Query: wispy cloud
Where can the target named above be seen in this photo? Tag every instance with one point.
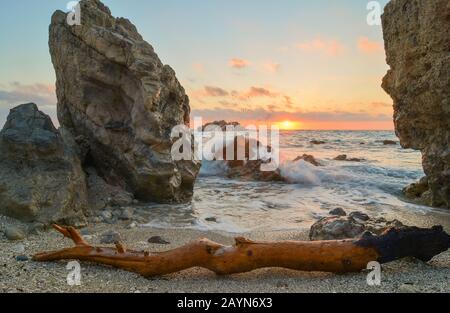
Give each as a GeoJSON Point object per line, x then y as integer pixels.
{"type": "Point", "coordinates": [272, 67]}
{"type": "Point", "coordinates": [239, 63]}
{"type": "Point", "coordinates": [331, 47]}
{"type": "Point", "coordinates": [17, 93]}
{"type": "Point", "coordinates": [366, 46]}
{"type": "Point", "coordinates": [271, 114]}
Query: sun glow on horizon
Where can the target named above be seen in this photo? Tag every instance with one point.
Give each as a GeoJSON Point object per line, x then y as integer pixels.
{"type": "Point", "coordinates": [288, 125]}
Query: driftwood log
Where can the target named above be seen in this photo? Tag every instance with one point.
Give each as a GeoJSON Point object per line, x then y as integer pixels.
{"type": "Point", "coordinates": [337, 256]}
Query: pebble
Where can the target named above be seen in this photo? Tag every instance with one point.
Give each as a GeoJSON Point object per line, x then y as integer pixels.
{"type": "Point", "coordinates": [360, 216]}
{"type": "Point", "coordinates": [21, 258]}
{"type": "Point", "coordinates": [110, 237]}
{"type": "Point", "coordinates": [127, 214]}
{"type": "Point", "coordinates": [14, 233]}
{"type": "Point", "coordinates": [19, 248]}
{"type": "Point", "coordinates": [158, 240]}
{"type": "Point", "coordinates": [211, 219]}
{"type": "Point", "coordinates": [106, 215]}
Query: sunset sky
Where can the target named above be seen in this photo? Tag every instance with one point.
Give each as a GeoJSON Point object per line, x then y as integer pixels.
{"type": "Point", "coordinates": [300, 64]}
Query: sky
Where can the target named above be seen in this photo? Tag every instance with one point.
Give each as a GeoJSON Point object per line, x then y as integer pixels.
{"type": "Point", "coordinates": [298, 64]}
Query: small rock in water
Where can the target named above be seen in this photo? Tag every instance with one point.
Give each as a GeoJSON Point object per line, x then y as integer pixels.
{"type": "Point", "coordinates": [211, 219]}
{"type": "Point", "coordinates": [359, 216]}
{"type": "Point", "coordinates": [14, 233]}
{"type": "Point", "coordinates": [317, 142]}
{"type": "Point", "coordinates": [158, 240]}
{"type": "Point", "coordinates": [21, 258]}
{"type": "Point", "coordinates": [308, 158]}
{"type": "Point", "coordinates": [389, 142]}
{"type": "Point", "coordinates": [110, 237]}
{"type": "Point", "coordinates": [338, 212]}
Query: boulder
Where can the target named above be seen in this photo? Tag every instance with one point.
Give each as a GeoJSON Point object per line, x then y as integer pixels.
{"type": "Point", "coordinates": [41, 179]}
{"type": "Point", "coordinates": [121, 103]}
{"type": "Point", "coordinates": [355, 225]}
{"type": "Point", "coordinates": [417, 49]}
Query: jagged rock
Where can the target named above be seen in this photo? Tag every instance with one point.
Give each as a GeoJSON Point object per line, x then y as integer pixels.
{"type": "Point", "coordinates": [41, 179]}
{"type": "Point", "coordinates": [308, 158]}
{"type": "Point", "coordinates": [121, 103]}
{"type": "Point", "coordinates": [417, 48]}
{"type": "Point", "coordinates": [356, 224]}
{"type": "Point", "coordinates": [344, 157]}
{"type": "Point", "coordinates": [249, 169]}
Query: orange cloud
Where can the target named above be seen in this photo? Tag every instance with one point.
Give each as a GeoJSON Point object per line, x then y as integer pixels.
{"type": "Point", "coordinates": [272, 67]}
{"type": "Point", "coordinates": [209, 91]}
{"type": "Point", "coordinates": [239, 63]}
{"type": "Point", "coordinates": [318, 45]}
{"type": "Point", "coordinates": [254, 92]}
{"type": "Point", "coordinates": [369, 47]}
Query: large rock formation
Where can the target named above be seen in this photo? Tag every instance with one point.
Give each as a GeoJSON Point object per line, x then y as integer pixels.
{"type": "Point", "coordinates": [417, 42]}
{"type": "Point", "coordinates": [41, 179]}
{"type": "Point", "coordinates": [121, 103]}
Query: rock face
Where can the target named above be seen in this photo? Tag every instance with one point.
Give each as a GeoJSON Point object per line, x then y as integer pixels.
{"type": "Point", "coordinates": [416, 35]}
{"type": "Point", "coordinates": [121, 103]}
{"type": "Point", "coordinates": [41, 179]}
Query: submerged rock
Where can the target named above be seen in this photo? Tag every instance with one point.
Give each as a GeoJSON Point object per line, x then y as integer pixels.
{"type": "Point", "coordinates": [158, 240]}
{"type": "Point", "coordinates": [41, 179]}
{"type": "Point", "coordinates": [355, 225]}
{"type": "Point", "coordinates": [317, 142]}
{"type": "Point", "coordinates": [344, 157]}
{"type": "Point", "coordinates": [121, 103]}
{"type": "Point", "coordinates": [308, 158]}
{"type": "Point", "coordinates": [417, 48]}
{"type": "Point", "coordinates": [389, 142]}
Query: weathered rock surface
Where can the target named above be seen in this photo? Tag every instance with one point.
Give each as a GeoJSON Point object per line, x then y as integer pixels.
{"type": "Point", "coordinates": [121, 103]}
{"type": "Point", "coordinates": [355, 225]}
{"type": "Point", "coordinates": [41, 179]}
{"type": "Point", "coordinates": [416, 35]}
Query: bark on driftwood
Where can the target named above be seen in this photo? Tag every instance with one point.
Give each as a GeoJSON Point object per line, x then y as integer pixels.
{"type": "Point", "coordinates": [337, 256]}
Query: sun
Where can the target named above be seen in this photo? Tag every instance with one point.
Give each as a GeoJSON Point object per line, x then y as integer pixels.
{"type": "Point", "coordinates": [288, 125]}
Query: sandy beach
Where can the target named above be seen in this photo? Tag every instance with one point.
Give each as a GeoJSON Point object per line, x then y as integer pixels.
{"type": "Point", "coordinates": [407, 275]}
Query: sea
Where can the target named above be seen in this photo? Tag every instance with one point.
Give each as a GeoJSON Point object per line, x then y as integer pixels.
{"type": "Point", "coordinates": [373, 186]}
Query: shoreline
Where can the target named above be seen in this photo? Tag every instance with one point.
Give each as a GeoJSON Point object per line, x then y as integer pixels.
{"type": "Point", "coordinates": [406, 275]}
